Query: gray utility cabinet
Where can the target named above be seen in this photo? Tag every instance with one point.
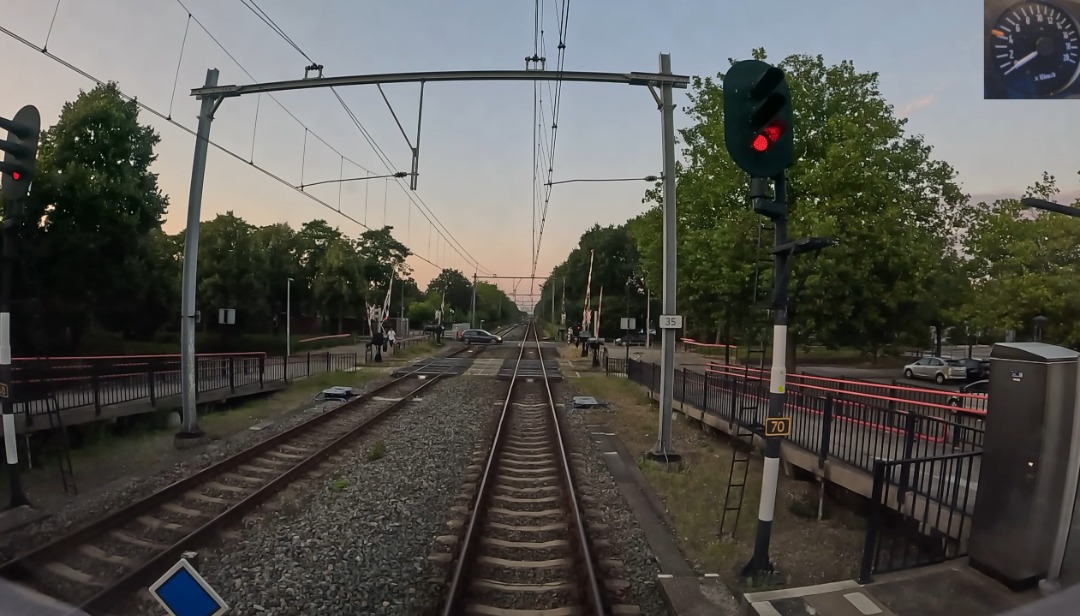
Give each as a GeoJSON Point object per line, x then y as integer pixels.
{"type": "Point", "coordinates": [1025, 455]}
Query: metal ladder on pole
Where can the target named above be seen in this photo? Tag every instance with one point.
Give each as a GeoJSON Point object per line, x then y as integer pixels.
{"type": "Point", "coordinates": [62, 447]}
{"type": "Point", "coordinates": [746, 407]}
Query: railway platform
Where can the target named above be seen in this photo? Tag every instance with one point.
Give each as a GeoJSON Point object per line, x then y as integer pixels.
{"type": "Point", "coordinates": [948, 589]}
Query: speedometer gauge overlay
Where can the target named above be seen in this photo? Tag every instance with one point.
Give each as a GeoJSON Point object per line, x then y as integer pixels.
{"type": "Point", "coordinates": [1034, 49]}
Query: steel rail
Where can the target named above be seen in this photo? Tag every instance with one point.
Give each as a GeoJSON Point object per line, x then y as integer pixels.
{"type": "Point", "coordinates": [23, 565]}
{"type": "Point", "coordinates": [472, 532]}
{"type": "Point", "coordinates": [589, 583]}
{"type": "Point", "coordinates": [108, 597]}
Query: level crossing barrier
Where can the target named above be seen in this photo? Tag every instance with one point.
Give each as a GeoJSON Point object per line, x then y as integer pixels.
{"type": "Point", "coordinates": [76, 382]}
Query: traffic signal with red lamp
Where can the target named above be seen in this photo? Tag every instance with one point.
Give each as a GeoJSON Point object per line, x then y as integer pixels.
{"type": "Point", "coordinates": [20, 153]}
{"type": "Point", "coordinates": [758, 129]}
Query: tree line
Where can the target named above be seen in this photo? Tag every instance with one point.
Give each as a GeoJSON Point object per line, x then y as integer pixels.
{"type": "Point", "coordinates": [916, 255]}
{"type": "Point", "coordinates": [91, 254]}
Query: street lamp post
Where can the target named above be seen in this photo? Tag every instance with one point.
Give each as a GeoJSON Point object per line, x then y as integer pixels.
{"type": "Point", "coordinates": [288, 320]}
{"type": "Point", "coordinates": [626, 332]}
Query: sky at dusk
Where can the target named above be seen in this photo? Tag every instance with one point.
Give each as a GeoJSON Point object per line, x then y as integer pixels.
{"type": "Point", "coordinates": [476, 162]}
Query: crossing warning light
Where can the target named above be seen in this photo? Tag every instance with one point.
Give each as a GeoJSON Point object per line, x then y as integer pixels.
{"type": "Point", "coordinates": [758, 119]}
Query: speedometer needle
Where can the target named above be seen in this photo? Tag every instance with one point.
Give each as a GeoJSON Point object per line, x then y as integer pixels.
{"type": "Point", "coordinates": [1022, 61]}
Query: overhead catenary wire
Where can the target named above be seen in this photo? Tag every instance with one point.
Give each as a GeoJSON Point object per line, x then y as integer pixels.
{"type": "Point", "coordinates": [415, 199]}
{"type": "Point", "coordinates": [154, 111]}
{"type": "Point", "coordinates": [563, 21]}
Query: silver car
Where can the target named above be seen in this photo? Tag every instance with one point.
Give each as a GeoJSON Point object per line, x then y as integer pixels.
{"type": "Point", "coordinates": [937, 368]}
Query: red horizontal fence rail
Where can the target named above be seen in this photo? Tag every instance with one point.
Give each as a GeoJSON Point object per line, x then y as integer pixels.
{"type": "Point", "coordinates": [825, 392]}
{"type": "Point", "coordinates": [978, 407]}
{"type": "Point", "coordinates": [690, 342]}
{"type": "Point", "coordinates": [853, 430]}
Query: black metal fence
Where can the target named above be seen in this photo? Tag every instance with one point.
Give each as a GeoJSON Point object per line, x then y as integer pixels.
{"type": "Point", "coordinates": [848, 430]}
{"type": "Point", "coordinates": [920, 512]}
{"type": "Point", "coordinates": [100, 382]}
{"type": "Point", "coordinates": [925, 464]}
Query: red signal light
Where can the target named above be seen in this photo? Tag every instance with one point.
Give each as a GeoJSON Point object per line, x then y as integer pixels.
{"type": "Point", "coordinates": [773, 131]}
{"type": "Point", "coordinates": [769, 135]}
{"type": "Point", "coordinates": [15, 175]}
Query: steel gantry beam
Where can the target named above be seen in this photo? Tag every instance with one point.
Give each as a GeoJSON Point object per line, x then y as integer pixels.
{"type": "Point", "coordinates": [212, 95]}
{"type": "Point", "coordinates": [633, 79]}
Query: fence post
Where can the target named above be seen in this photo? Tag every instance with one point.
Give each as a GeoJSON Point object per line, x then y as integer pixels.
{"type": "Point", "coordinates": [328, 362]}
{"type": "Point", "coordinates": [873, 525]}
{"type": "Point", "coordinates": [734, 403]}
{"type": "Point", "coordinates": [309, 363]}
{"type": "Point", "coordinates": [826, 432]}
{"type": "Point", "coordinates": [682, 396]}
{"type": "Point", "coordinates": [150, 382]}
{"type": "Point", "coordinates": [262, 370]}
{"type": "Point", "coordinates": [705, 392]}
{"type": "Point", "coordinates": [905, 465]}
{"type": "Point", "coordinates": [232, 374]}
{"type": "Point", "coordinates": [95, 385]}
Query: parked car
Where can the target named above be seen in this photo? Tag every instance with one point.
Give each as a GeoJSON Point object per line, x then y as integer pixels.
{"type": "Point", "coordinates": [937, 368]}
{"type": "Point", "coordinates": [632, 339]}
{"type": "Point", "coordinates": [977, 369]}
{"type": "Point", "coordinates": [478, 336]}
{"type": "Point", "coordinates": [978, 387]}
{"type": "Point", "coordinates": [432, 327]}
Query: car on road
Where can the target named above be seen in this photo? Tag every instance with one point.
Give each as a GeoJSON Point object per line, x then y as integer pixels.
{"type": "Point", "coordinates": [977, 369]}
{"type": "Point", "coordinates": [938, 369]}
{"type": "Point", "coordinates": [965, 402]}
{"type": "Point", "coordinates": [634, 339]}
{"type": "Point", "coordinates": [478, 336]}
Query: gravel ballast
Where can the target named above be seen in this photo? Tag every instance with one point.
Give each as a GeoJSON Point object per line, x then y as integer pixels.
{"type": "Point", "coordinates": [176, 465]}
{"type": "Point", "coordinates": [626, 540]}
{"type": "Point", "coordinates": [354, 539]}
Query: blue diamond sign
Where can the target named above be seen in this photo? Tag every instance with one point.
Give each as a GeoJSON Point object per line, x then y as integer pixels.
{"type": "Point", "coordinates": [183, 592]}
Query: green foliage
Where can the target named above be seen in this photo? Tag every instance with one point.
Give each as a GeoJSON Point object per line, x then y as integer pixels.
{"type": "Point", "coordinates": [616, 261]}
{"type": "Point", "coordinates": [455, 287]}
{"type": "Point", "coordinates": [377, 451]}
{"type": "Point", "coordinates": [421, 312]}
{"type": "Point", "coordinates": [91, 217]}
{"type": "Point", "coordinates": [98, 263]}
{"type": "Point", "coordinates": [1024, 263]}
{"type": "Point", "coordinates": [858, 178]}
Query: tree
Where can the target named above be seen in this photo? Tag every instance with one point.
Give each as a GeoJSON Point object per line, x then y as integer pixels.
{"type": "Point", "coordinates": [1024, 263]}
{"type": "Point", "coordinates": [339, 284]}
{"type": "Point", "coordinates": [421, 312]}
{"type": "Point", "coordinates": [616, 262]}
{"type": "Point", "coordinates": [312, 242]}
{"type": "Point", "coordinates": [232, 272]}
{"type": "Point", "coordinates": [93, 208]}
{"type": "Point", "coordinates": [280, 245]}
{"type": "Point", "coordinates": [383, 255]}
{"type": "Point", "coordinates": [858, 178]}
{"type": "Point", "coordinates": [455, 287]}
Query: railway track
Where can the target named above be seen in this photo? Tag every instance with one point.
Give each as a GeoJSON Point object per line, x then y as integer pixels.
{"type": "Point", "coordinates": [98, 565]}
{"type": "Point", "coordinates": [526, 545]}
